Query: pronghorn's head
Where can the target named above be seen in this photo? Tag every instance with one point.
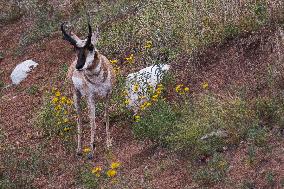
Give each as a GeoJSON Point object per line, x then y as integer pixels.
{"type": "Point", "coordinates": [85, 49]}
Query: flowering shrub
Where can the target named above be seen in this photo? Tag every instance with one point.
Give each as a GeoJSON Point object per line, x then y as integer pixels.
{"type": "Point", "coordinates": [57, 115]}
{"type": "Point", "coordinates": [61, 106]}
{"type": "Point", "coordinates": [99, 175]}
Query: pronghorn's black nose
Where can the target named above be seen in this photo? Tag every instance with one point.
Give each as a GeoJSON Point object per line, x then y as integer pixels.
{"type": "Point", "coordinates": [81, 59]}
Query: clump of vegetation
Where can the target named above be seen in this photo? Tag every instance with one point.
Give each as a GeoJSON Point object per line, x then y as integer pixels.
{"type": "Point", "coordinates": [21, 167]}
{"type": "Point", "coordinates": [213, 172]}
{"type": "Point", "coordinates": [10, 12]}
{"type": "Point", "coordinates": [56, 116]}
{"type": "Point", "coordinates": [97, 176]}
{"type": "Point", "coordinates": [32, 90]}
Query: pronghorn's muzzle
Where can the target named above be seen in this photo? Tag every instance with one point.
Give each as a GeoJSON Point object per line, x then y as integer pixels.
{"type": "Point", "coordinates": [81, 59]}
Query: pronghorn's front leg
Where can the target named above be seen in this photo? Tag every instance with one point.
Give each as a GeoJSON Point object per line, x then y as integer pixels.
{"type": "Point", "coordinates": [92, 114]}
{"type": "Point", "coordinates": [108, 139]}
{"type": "Point", "coordinates": [77, 98]}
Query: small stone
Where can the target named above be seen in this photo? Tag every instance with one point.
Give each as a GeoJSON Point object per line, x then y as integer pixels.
{"type": "Point", "coordinates": [21, 71]}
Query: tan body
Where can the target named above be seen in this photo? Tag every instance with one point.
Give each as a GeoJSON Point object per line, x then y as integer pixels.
{"type": "Point", "coordinates": [94, 83]}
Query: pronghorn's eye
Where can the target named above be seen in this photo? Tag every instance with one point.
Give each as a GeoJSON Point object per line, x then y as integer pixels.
{"type": "Point", "coordinates": [91, 47]}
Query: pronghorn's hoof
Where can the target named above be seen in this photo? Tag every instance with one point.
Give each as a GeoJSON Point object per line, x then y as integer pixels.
{"type": "Point", "coordinates": [90, 156]}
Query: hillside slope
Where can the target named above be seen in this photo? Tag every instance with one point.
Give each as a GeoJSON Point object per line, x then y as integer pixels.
{"type": "Point", "coordinates": [247, 64]}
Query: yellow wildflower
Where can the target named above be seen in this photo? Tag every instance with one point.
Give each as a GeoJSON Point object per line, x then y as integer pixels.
{"type": "Point", "coordinates": [136, 87]}
{"type": "Point", "coordinates": [148, 44]}
{"type": "Point", "coordinates": [115, 165]}
{"type": "Point", "coordinates": [205, 85]}
{"type": "Point", "coordinates": [69, 102]}
{"type": "Point", "coordinates": [65, 120]}
{"type": "Point", "coordinates": [137, 118]}
{"type": "Point", "coordinates": [59, 123]}
{"type": "Point", "coordinates": [148, 104]}
{"type": "Point", "coordinates": [111, 173]}
{"type": "Point", "coordinates": [143, 106]}
{"type": "Point", "coordinates": [113, 61]}
{"type": "Point", "coordinates": [141, 97]}
{"type": "Point", "coordinates": [86, 150]}
{"type": "Point", "coordinates": [160, 86]}
{"type": "Point", "coordinates": [178, 87]}
{"type": "Point", "coordinates": [116, 70]}
{"type": "Point", "coordinates": [55, 100]}
{"type": "Point", "coordinates": [130, 59]}
{"type": "Point", "coordinates": [186, 89]}
{"type": "Point", "coordinates": [155, 97]}
{"type": "Point", "coordinates": [63, 99]}
{"type": "Point", "coordinates": [127, 101]}
{"type": "Point", "coordinates": [58, 107]}
{"type": "Point", "coordinates": [96, 170]}
{"type": "Point", "coordinates": [158, 92]}
{"type": "Point", "coordinates": [67, 129]}
{"type": "Point", "coordinates": [57, 93]}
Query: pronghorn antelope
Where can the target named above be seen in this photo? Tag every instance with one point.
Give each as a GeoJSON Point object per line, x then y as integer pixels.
{"type": "Point", "coordinates": [93, 77]}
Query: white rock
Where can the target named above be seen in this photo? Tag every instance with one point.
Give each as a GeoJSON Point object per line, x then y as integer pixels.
{"type": "Point", "coordinates": [21, 71]}
{"type": "Point", "coordinates": [149, 76]}
{"type": "Point", "coordinates": [218, 133]}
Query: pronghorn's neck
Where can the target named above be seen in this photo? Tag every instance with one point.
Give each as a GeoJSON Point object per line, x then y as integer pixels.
{"type": "Point", "coordinates": [97, 71]}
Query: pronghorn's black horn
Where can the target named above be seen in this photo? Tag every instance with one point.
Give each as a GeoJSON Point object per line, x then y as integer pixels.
{"type": "Point", "coordinates": [67, 37]}
{"type": "Point", "coordinates": [88, 43]}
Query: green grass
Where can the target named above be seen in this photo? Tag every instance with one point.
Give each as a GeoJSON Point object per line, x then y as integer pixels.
{"type": "Point", "coordinates": [213, 172]}
{"type": "Point", "coordinates": [157, 122]}
{"type": "Point", "coordinates": [20, 172]}
{"type": "Point", "coordinates": [32, 90]}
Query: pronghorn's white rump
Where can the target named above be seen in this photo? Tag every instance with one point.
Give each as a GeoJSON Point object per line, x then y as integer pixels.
{"type": "Point", "coordinates": [149, 76]}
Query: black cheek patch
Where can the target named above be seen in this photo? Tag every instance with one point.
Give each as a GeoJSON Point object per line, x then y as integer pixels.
{"type": "Point", "coordinates": [81, 59]}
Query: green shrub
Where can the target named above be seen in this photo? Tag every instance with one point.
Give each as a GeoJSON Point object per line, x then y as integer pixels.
{"type": "Point", "coordinates": [157, 122]}
{"type": "Point", "coordinates": [55, 117]}
{"type": "Point", "coordinates": [87, 179]}
{"type": "Point", "coordinates": [10, 12]}
{"type": "Point", "coordinates": [215, 171]}
{"type": "Point", "coordinates": [207, 114]}
{"type": "Point", "coordinates": [271, 179]}
{"type": "Point", "coordinates": [21, 167]}
{"type": "Point", "coordinates": [32, 90]}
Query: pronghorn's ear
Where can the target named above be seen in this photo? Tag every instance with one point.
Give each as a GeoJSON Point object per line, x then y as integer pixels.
{"type": "Point", "coordinates": [95, 36]}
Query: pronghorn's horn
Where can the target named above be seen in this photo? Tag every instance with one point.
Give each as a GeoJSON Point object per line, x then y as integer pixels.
{"type": "Point", "coordinates": [67, 37]}
{"type": "Point", "coordinates": [88, 43]}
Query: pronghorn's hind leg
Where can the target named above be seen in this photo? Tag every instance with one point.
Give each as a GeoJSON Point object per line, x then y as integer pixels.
{"type": "Point", "coordinates": [108, 139]}
{"type": "Point", "coordinates": [77, 98]}
{"type": "Point", "coordinates": [92, 115]}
